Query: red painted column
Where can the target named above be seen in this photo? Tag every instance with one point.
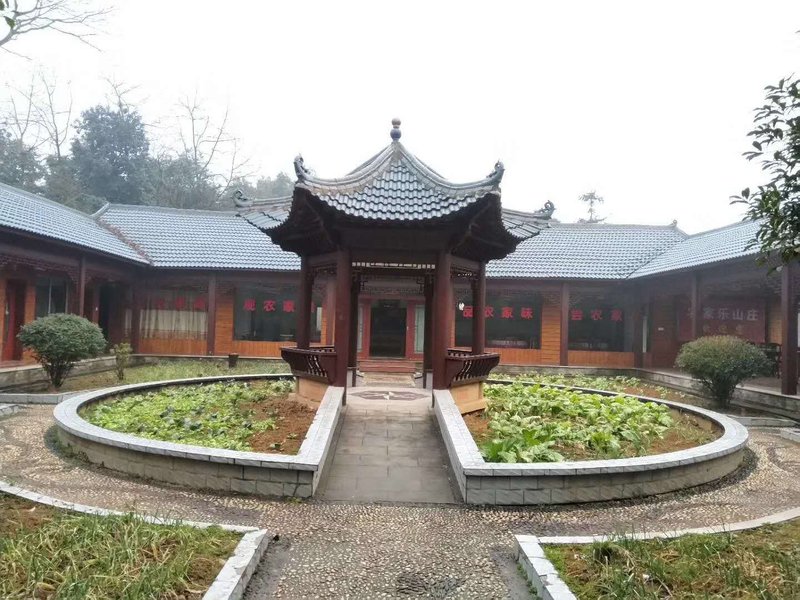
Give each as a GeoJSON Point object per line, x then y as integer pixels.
{"type": "Point", "coordinates": [303, 335]}
{"type": "Point", "coordinates": [442, 318]}
{"type": "Point", "coordinates": [136, 314]}
{"type": "Point", "coordinates": [427, 341]}
{"type": "Point", "coordinates": [343, 292]}
{"type": "Point", "coordinates": [352, 353]}
{"type": "Point", "coordinates": [81, 308]}
{"type": "Point", "coordinates": [563, 352]}
{"type": "Point", "coordinates": [211, 316]}
{"type": "Point", "coordinates": [479, 311]}
{"type": "Point", "coordinates": [695, 306]}
{"type": "Point", "coordinates": [788, 330]}
{"type": "Point", "coordinates": [638, 318]}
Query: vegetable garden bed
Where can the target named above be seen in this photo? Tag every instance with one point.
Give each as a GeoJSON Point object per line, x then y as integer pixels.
{"type": "Point", "coordinates": [52, 554]}
{"type": "Point", "coordinates": [255, 416]}
{"type": "Point", "coordinates": [762, 563]}
{"type": "Point", "coordinates": [535, 423]}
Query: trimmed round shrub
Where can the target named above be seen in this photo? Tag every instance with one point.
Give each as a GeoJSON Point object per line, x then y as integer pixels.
{"type": "Point", "coordinates": [721, 362]}
{"type": "Point", "coordinates": [59, 341]}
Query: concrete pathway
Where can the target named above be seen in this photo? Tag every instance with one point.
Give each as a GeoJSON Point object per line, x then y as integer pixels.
{"type": "Point", "coordinates": [389, 450]}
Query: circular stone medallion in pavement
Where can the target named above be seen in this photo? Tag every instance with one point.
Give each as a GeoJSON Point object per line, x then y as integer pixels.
{"type": "Point", "coordinates": [388, 395]}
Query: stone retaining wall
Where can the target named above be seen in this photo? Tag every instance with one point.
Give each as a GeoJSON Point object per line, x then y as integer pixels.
{"type": "Point", "coordinates": [198, 467]}
{"type": "Point", "coordinates": [585, 481]}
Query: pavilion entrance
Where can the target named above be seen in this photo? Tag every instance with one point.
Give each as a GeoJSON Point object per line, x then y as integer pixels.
{"type": "Point", "coordinates": [388, 328]}
{"type": "Point", "coordinates": [393, 216]}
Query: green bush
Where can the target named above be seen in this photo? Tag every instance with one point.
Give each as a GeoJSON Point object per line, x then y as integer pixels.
{"type": "Point", "coordinates": [122, 357]}
{"type": "Point", "coordinates": [59, 341]}
{"type": "Point", "coordinates": [721, 362]}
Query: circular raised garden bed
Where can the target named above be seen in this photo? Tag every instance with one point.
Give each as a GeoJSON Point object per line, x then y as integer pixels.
{"type": "Point", "coordinates": [196, 466]}
{"type": "Point", "coordinates": [571, 481]}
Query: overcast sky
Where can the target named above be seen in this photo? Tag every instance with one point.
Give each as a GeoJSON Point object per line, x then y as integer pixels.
{"type": "Point", "coordinates": [647, 103]}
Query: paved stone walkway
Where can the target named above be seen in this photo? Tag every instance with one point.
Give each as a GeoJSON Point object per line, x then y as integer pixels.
{"type": "Point", "coordinates": [339, 550]}
{"type": "Point", "coordinates": [389, 450]}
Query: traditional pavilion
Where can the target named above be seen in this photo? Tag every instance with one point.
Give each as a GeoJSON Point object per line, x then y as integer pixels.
{"type": "Point", "coordinates": [394, 216]}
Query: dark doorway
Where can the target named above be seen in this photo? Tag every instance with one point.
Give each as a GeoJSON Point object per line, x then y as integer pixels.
{"type": "Point", "coordinates": [13, 318]}
{"type": "Point", "coordinates": [387, 337]}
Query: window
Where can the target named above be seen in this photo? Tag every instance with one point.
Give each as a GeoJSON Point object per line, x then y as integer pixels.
{"type": "Point", "coordinates": [513, 320]}
{"type": "Point", "coordinates": [174, 314]}
{"type": "Point", "coordinates": [269, 314]}
{"type": "Point", "coordinates": [51, 296]}
{"type": "Point", "coordinates": [597, 324]}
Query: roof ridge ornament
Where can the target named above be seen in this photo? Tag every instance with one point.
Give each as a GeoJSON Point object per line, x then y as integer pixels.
{"type": "Point", "coordinates": [546, 212]}
{"type": "Point", "coordinates": [300, 168]}
{"type": "Point", "coordinates": [395, 133]}
{"type": "Point", "coordinates": [497, 174]}
{"type": "Point", "coordinates": [240, 200]}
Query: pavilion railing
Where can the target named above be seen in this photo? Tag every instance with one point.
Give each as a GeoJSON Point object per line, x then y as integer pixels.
{"type": "Point", "coordinates": [318, 363]}
{"type": "Point", "coordinates": [464, 367]}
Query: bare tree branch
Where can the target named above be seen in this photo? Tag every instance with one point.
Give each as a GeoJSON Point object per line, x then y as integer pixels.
{"type": "Point", "coordinates": [74, 18]}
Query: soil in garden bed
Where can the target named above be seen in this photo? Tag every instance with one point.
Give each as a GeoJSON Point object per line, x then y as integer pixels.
{"type": "Point", "coordinates": [293, 418]}
{"type": "Point", "coordinates": [749, 565]}
{"type": "Point", "coordinates": [687, 431]}
{"type": "Point", "coordinates": [48, 553]}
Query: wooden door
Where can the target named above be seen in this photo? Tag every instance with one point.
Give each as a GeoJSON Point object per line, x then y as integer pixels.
{"type": "Point", "coordinates": [13, 315]}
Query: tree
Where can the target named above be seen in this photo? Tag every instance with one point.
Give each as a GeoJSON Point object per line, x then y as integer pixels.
{"type": "Point", "coordinates": [592, 201]}
{"type": "Point", "coordinates": [19, 163]}
{"type": "Point", "coordinates": [74, 18]}
{"type": "Point", "coordinates": [721, 362]}
{"type": "Point", "coordinates": [776, 143]}
{"type": "Point", "coordinates": [176, 182]}
{"type": "Point", "coordinates": [58, 341]}
{"type": "Point", "coordinates": [266, 187]}
{"type": "Point", "coordinates": [110, 154]}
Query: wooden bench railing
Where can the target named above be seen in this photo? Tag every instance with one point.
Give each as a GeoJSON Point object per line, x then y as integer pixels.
{"type": "Point", "coordinates": [317, 363]}
{"type": "Point", "coordinates": [464, 367]}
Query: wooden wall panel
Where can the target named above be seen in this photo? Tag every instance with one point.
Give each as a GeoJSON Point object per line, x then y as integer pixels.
{"type": "Point", "coordinates": [600, 359]}
{"type": "Point", "coordinates": [551, 330]}
{"type": "Point", "coordinates": [663, 332]}
{"type": "Point", "coordinates": [2, 313]}
{"type": "Point", "coordinates": [224, 331]}
{"type": "Point", "coordinates": [173, 346]}
{"type": "Point", "coordinates": [774, 321]}
{"type": "Point", "coordinates": [30, 314]}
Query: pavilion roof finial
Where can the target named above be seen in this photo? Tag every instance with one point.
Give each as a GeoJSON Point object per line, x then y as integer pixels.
{"type": "Point", "coordinates": [395, 132]}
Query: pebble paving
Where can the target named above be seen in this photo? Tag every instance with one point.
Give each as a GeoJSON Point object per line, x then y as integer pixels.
{"type": "Point", "coordinates": [329, 549]}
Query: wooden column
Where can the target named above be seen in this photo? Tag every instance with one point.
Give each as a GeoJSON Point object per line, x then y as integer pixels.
{"type": "Point", "coordinates": [94, 309]}
{"type": "Point", "coordinates": [136, 313]}
{"type": "Point", "coordinates": [695, 306]}
{"type": "Point", "coordinates": [343, 291]}
{"type": "Point", "coordinates": [442, 318]}
{"type": "Point", "coordinates": [352, 354]}
{"type": "Point", "coordinates": [788, 330]}
{"type": "Point", "coordinates": [211, 316]}
{"type": "Point", "coordinates": [479, 311]}
{"type": "Point", "coordinates": [427, 339]}
{"type": "Point", "coordinates": [81, 287]}
{"type": "Point", "coordinates": [330, 308]}
{"type": "Point", "coordinates": [303, 336]}
{"type": "Point", "coordinates": [638, 349]}
{"type": "Point", "coordinates": [563, 353]}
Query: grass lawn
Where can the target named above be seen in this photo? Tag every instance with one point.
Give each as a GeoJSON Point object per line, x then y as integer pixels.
{"type": "Point", "coordinates": [51, 554]}
{"type": "Point", "coordinates": [761, 564]}
{"type": "Point", "coordinates": [172, 369]}
{"type": "Point", "coordinates": [245, 416]}
{"type": "Point", "coordinates": [524, 423]}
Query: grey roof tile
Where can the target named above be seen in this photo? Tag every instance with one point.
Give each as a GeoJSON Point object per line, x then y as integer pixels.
{"type": "Point", "coordinates": [28, 212]}
{"type": "Point", "coordinates": [585, 251]}
{"type": "Point", "coordinates": [704, 248]}
{"type": "Point", "coordinates": [180, 238]}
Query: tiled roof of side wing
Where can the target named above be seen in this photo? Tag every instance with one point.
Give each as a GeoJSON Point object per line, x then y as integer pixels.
{"type": "Point", "coordinates": [180, 238]}
{"type": "Point", "coordinates": [586, 251]}
{"type": "Point", "coordinates": [28, 212]}
{"type": "Point", "coordinates": [704, 248]}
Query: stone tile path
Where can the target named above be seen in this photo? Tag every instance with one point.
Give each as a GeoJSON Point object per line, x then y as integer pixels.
{"type": "Point", "coordinates": [339, 550]}
{"type": "Point", "coordinates": [389, 450]}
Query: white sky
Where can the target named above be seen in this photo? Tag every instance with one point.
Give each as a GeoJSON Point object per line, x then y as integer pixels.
{"type": "Point", "coordinates": [647, 103]}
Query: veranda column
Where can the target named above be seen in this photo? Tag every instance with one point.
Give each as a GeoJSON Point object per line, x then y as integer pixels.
{"type": "Point", "coordinates": [442, 317]}
{"type": "Point", "coordinates": [304, 305]}
{"type": "Point", "coordinates": [563, 352]}
{"type": "Point", "coordinates": [211, 316]}
{"type": "Point", "coordinates": [352, 355]}
{"type": "Point", "coordinates": [638, 337]}
{"type": "Point", "coordinates": [479, 311]}
{"type": "Point", "coordinates": [81, 305]}
{"type": "Point", "coordinates": [342, 335]}
{"type": "Point", "coordinates": [788, 330]}
{"type": "Point", "coordinates": [427, 339]}
{"type": "Point", "coordinates": [695, 308]}
{"type": "Point", "coordinates": [136, 318]}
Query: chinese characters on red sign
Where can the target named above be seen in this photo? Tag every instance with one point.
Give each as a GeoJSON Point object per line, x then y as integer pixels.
{"type": "Point", "coordinates": [269, 305]}
{"type": "Point", "coordinates": [505, 312]}
{"type": "Point", "coordinates": [596, 314]}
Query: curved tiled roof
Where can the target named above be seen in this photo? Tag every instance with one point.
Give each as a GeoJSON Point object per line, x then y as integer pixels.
{"type": "Point", "coordinates": [586, 251]}
{"type": "Point", "coordinates": [202, 239]}
{"type": "Point", "coordinates": [33, 214]}
{"type": "Point", "coordinates": [705, 248]}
